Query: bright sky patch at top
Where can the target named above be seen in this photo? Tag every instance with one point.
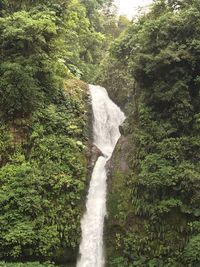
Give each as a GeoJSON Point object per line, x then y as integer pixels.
{"type": "Point", "coordinates": [130, 7]}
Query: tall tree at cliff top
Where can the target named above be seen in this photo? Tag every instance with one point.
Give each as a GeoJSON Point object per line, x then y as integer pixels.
{"type": "Point", "coordinates": [156, 219]}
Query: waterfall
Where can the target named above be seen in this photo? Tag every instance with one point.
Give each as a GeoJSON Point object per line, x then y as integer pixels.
{"type": "Point", "coordinates": [107, 119]}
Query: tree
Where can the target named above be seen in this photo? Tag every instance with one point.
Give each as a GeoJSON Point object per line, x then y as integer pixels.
{"type": "Point", "coordinates": [158, 198]}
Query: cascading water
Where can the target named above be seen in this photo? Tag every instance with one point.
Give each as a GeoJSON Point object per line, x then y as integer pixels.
{"type": "Point", "coordinates": [107, 119]}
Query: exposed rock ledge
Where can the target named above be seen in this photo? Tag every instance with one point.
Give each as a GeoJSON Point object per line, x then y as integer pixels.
{"type": "Point", "coordinates": [93, 153]}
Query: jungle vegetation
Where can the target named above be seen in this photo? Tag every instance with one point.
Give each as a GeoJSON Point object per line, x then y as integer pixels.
{"type": "Point", "coordinates": [152, 71]}
{"type": "Point", "coordinates": [47, 46]}
{"type": "Point", "coordinates": [154, 215]}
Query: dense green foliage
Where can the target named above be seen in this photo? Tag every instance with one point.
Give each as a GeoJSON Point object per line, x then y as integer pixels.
{"type": "Point", "coordinates": [45, 46]}
{"type": "Point", "coordinates": [28, 264]}
{"type": "Point", "coordinates": [154, 205]}
{"type": "Point", "coordinates": [42, 178]}
{"type": "Point", "coordinates": [153, 73]}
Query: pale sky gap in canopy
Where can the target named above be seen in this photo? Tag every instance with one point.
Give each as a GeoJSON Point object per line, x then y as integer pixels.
{"type": "Point", "coordinates": [130, 7]}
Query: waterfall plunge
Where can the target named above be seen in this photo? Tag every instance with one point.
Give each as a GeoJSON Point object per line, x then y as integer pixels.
{"type": "Point", "coordinates": [107, 119]}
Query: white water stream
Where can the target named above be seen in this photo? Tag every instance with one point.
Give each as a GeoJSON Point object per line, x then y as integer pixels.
{"type": "Point", "coordinates": [107, 119]}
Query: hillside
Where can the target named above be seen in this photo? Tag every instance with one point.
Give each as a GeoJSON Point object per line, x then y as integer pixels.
{"type": "Point", "coordinates": [153, 202]}
{"type": "Point", "coordinates": [50, 52]}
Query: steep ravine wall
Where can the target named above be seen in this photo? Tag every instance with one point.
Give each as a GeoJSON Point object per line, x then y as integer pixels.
{"type": "Point", "coordinates": [44, 162]}
{"type": "Point", "coordinates": [118, 198]}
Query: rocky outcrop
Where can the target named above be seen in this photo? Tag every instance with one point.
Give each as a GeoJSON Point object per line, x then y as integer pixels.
{"type": "Point", "coordinates": [92, 155]}
{"type": "Point", "coordinates": [119, 159]}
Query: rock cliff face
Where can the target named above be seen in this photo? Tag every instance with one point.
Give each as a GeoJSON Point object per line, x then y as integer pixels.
{"type": "Point", "coordinates": [119, 160]}
{"type": "Point", "coordinates": [93, 153]}
{"type": "Point", "coordinates": [118, 196]}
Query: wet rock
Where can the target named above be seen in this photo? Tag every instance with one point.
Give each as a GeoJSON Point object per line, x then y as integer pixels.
{"type": "Point", "coordinates": [119, 159]}
{"type": "Point", "coordinates": [93, 153]}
